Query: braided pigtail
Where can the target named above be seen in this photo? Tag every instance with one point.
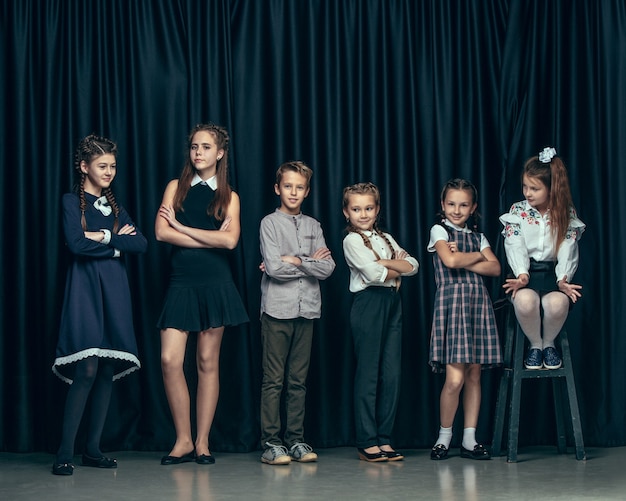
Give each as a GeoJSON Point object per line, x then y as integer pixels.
{"type": "Point", "coordinates": [113, 203]}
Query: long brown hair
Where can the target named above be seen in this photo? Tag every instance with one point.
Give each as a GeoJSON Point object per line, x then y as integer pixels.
{"type": "Point", "coordinates": [220, 203]}
{"type": "Point", "coordinates": [366, 189]}
{"type": "Point", "coordinates": [90, 148]}
{"type": "Point", "coordinates": [554, 175]}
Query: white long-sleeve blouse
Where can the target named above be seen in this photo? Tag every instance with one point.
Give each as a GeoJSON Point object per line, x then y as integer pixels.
{"type": "Point", "coordinates": [527, 236]}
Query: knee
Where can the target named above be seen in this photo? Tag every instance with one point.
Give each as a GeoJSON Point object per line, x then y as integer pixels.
{"type": "Point", "coordinates": [453, 386]}
{"type": "Point", "coordinates": [207, 364]}
{"type": "Point", "coordinates": [526, 302]}
{"type": "Point", "coordinates": [555, 304]}
{"type": "Point", "coordinates": [170, 364]}
{"type": "Point", "coordinates": [472, 376]}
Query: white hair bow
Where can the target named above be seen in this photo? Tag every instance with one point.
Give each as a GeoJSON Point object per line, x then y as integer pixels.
{"type": "Point", "coordinates": [100, 205]}
{"type": "Point", "coordinates": [546, 155]}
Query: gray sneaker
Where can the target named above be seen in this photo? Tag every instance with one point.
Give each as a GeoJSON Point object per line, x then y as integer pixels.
{"type": "Point", "coordinates": [302, 452]}
{"type": "Point", "coordinates": [275, 454]}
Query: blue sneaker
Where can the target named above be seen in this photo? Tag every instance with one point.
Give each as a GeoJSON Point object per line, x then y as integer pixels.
{"type": "Point", "coordinates": [551, 358]}
{"type": "Point", "coordinates": [534, 359]}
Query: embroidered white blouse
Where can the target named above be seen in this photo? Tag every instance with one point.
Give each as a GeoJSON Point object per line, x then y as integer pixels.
{"type": "Point", "coordinates": [527, 235]}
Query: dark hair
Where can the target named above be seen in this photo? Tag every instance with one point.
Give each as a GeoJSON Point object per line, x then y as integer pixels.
{"type": "Point", "coordinates": [553, 175]}
{"type": "Point", "coordinates": [222, 195]}
{"type": "Point", "coordinates": [90, 148]}
{"type": "Point", "coordinates": [459, 184]}
{"type": "Point", "coordinates": [295, 166]}
{"type": "Point", "coordinates": [365, 189]}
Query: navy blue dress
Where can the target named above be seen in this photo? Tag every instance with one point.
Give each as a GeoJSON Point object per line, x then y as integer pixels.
{"type": "Point", "coordinates": [97, 317]}
{"type": "Point", "coordinates": [201, 292]}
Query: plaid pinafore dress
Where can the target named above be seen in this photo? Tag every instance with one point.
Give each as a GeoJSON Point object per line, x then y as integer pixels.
{"type": "Point", "coordinates": [464, 326]}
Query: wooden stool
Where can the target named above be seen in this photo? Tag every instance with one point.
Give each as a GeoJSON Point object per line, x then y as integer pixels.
{"type": "Point", "coordinates": [511, 388]}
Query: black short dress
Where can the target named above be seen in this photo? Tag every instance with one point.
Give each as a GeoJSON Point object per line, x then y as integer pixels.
{"type": "Point", "coordinates": [201, 293]}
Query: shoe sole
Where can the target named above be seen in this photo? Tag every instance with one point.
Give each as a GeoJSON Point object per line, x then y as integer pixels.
{"type": "Point", "coordinates": [377, 460]}
{"type": "Point", "coordinates": [552, 367]}
{"type": "Point", "coordinates": [306, 459]}
{"type": "Point", "coordinates": [276, 461]}
{"type": "Point", "coordinates": [533, 367]}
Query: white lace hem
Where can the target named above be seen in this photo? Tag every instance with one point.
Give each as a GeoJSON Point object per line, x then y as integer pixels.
{"type": "Point", "coordinates": [98, 352]}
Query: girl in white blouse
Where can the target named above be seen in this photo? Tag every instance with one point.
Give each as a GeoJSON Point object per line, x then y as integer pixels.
{"type": "Point", "coordinates": [541, 236]}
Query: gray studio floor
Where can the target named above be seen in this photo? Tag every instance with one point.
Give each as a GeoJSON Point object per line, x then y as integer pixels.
{"type": "Point", "coordinates": [540, 473]}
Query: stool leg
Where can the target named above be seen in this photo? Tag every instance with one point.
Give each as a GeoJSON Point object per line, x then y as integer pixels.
{"type": "Point", "coordinates": [505, 383]}
{"type": "Point", "coordinates": [559, 412]}
{"type": "Point", "coordinates": [573, 399]}
{"type": "Point", "coordinates": [516, 391]}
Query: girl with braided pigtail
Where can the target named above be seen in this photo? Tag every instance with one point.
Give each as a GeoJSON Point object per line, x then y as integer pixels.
{"type": "Point", "coordinates": [97, 340]}
{"type": "Point", "coordinates": [376, 264]}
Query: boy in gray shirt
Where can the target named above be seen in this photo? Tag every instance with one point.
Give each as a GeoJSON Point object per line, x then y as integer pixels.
{"type": "Point", "coordinates": [295, 258]}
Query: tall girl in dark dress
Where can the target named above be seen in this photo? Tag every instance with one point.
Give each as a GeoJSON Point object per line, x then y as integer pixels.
{"type": "Point", "coordinates": [199, 216]}
{"type": "Point", "coordinates": [96, 340]}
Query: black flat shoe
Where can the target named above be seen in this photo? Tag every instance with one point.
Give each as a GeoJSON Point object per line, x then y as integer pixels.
{"type": "Point", "coordinates": [205, 459]}
{"type": "Point", "coordinates": [374, 457]}
{"type": "Point", "coordinates": [439, 452]}
{"type": "Point", "coordinates": [101, 462]}
{"type": "Point", "coordinates": [63, 469]}
{"type": "Point", "coordinates": [393, 455]}
{"type": "Point", "coordinates": [187, 458]}
{"type": "Point", "coordinates": [479, 452]}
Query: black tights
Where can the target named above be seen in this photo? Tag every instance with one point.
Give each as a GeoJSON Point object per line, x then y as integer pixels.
{"type": "Point", "coordinates": [93, 376]}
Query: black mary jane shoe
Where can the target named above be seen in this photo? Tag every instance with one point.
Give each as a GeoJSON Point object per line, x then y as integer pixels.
{"type": "Point", "coordinates": [187, 458]}
{"type": "Point", "coordinates": [101, 462]}
{"type": "Point", "coordinates": [372, 457]}
{"type": "Point", "coordinates": [479, 452]}
{"type": "Point", "coordinates": [63, 469]}
{"type": "Point", "coordinates": [439, 452]}
{"type": "Point", "coordinates": [205, 459]}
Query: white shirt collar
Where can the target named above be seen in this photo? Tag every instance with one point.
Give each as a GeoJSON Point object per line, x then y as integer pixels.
{"type": "Point", "coordinates": [212, 181]}
{"type": "Point", "coordinates": [456, 227]}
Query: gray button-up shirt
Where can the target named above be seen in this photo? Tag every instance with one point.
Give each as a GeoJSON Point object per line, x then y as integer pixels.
{"type": "Point", "coordinates": [289, 291]}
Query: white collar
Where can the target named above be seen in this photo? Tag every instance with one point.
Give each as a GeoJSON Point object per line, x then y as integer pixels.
{"type": "Point", "coordinates": [452, 225]}
{"type": "Point", "coordinates": [211, 182]}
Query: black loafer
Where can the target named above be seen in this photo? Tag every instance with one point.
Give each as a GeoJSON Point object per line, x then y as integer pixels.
{"type": "Point", "coordinates": [63, 469]}
{"type": "Point", "coordinates": [374, 457]}
{"type": "Point", "coordinates": [205, 459]}
{"type": "Point", "coordinates": [439, 452]}
{"type": "Point", "coordinates": [187, 458]}
{"type": "Point", "coordinates": [101, 462]}
{"type": "Point", "coordinates": [479, 452]}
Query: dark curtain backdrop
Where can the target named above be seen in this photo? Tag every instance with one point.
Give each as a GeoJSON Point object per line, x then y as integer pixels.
{"type": "Point", "coordinates": [402, 93]}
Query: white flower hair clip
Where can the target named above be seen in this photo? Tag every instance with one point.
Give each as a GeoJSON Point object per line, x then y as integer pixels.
{"type": "Point", "coordinates": [546, 155]}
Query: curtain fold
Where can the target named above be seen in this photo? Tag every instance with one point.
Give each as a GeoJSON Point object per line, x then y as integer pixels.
{"type": "Point", "coordinates": [402, 93]}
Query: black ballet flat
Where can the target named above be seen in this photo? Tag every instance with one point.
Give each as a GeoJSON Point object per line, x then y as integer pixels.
{"type": "Point", "coordinates": [205, 459]}
{"type": "Point", "coordinates": [63, 469]}
{"type": "Point", "coordinates": [187, 458]}
{"type": "Point", "coordinates": [439, 452]}
{"type": "Point", "coordinates": [479, 452]}
{"type": "Point", "coordinates": [374, 457]}
{"type": "Point", "coordinates": [101, 462]}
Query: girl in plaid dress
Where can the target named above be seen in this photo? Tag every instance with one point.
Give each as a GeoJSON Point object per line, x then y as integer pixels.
{"type": "Point", "coordinates": [464, 337]}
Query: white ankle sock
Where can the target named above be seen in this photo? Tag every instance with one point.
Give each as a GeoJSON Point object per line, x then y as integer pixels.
{"type": "Point", "coordinates": [445, 436]}
{"type": "Point", "coordinates": [469, 438]}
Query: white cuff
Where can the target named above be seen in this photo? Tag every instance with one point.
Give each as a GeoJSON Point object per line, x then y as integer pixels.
{"type": "Point", "coordinates": [107, 237]}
